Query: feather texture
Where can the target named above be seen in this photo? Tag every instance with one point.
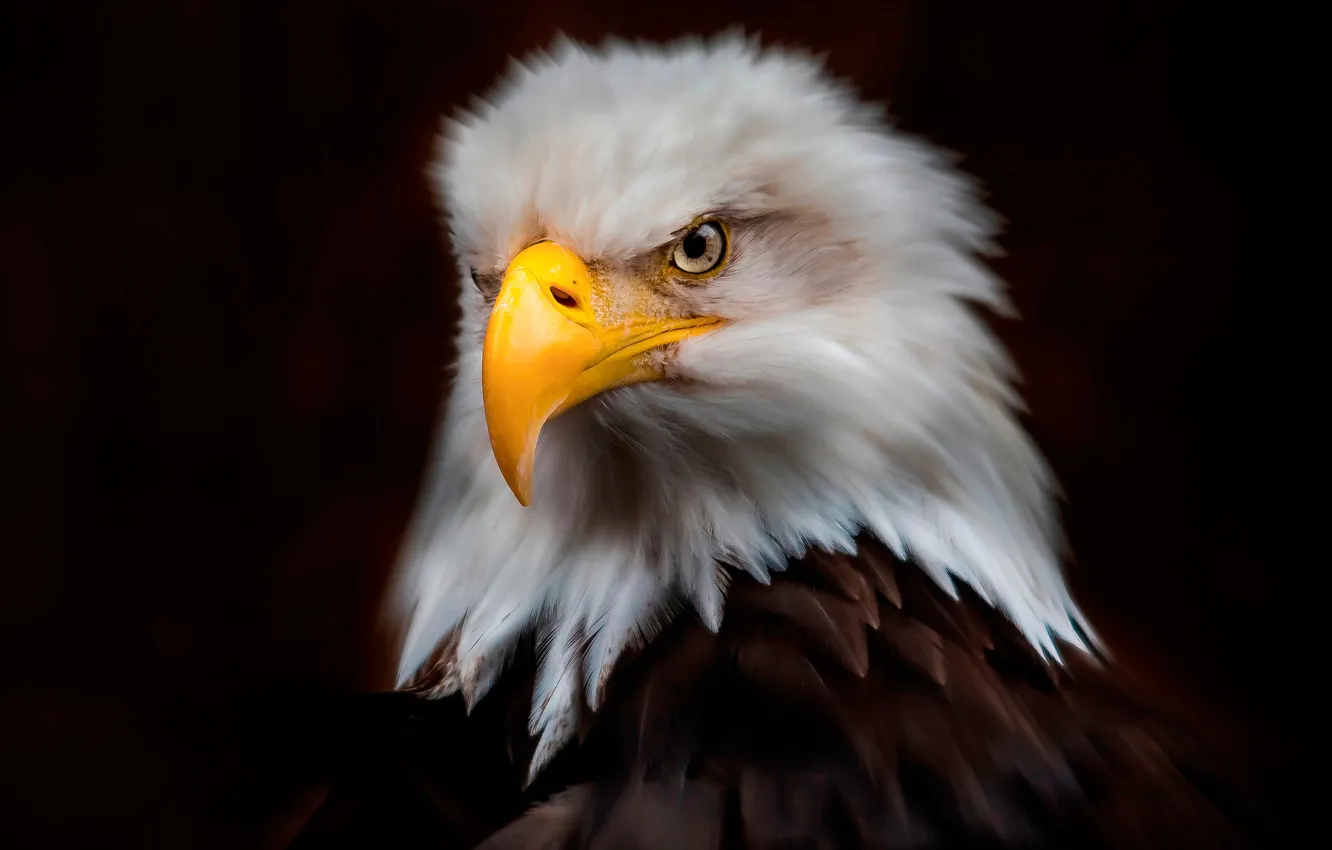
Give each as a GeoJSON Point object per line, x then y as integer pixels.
{"type": "Point", "coordinates": [851, 388]}
{"type": "Point", "coordinates": [768, 734]}
{"type": "Point", "coordinates": [811, 582]}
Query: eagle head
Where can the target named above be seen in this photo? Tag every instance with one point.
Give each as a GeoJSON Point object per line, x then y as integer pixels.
{"type": "Point", "coordinates": [722, 313]}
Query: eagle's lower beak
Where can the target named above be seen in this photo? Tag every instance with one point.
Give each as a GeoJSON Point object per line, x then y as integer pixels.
{"type": "Point", "coordinates": [546, 351]}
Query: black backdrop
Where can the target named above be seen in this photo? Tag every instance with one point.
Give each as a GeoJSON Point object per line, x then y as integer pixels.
{"type": "Point", "coordinates": [227, 307]}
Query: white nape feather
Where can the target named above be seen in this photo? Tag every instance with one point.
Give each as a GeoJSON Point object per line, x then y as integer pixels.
{"type": "Point", "coordinates": [854, 390]}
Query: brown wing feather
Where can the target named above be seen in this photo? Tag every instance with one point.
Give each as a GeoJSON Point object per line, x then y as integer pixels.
{"type": "Point", "coordinates": [875, 563]}
{"type": "Point", "coordinates": [852, 703]}
{"type": "Point", "coordinates": [547, 826]}
{"type": "Point", "coordinates": [833, 625]}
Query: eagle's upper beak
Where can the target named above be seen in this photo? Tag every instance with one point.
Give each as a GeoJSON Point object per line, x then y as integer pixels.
{"type": "Point", "coordinates": [554, 341]}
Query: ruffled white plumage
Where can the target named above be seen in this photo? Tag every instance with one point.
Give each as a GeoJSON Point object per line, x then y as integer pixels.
{"type": "Point", "coordinates": [855, 389]}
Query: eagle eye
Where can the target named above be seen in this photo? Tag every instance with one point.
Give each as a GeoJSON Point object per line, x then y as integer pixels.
{"type": "Point", "coordinates": [701, 250]}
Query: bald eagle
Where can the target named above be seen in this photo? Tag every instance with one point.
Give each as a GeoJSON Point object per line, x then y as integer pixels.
{"type": "Point", "coordinates": [731, 535]}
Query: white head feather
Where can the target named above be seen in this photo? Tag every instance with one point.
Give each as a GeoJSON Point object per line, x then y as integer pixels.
{"type": "Point", "coordinates": [854, 388]}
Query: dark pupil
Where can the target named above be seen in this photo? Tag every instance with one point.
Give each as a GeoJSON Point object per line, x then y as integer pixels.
{"type": "Point", "coordinates": [695, 244]}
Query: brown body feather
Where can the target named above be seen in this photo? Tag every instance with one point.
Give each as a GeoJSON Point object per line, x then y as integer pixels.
{"type": "Point", "coordinates": [851, 704]}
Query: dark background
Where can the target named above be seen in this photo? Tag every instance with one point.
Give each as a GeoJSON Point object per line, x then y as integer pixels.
{"type": "Point", "coordinates": [227, 310]}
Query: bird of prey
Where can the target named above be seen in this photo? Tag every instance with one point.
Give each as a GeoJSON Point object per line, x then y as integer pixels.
{"type": "Point", "coordinates": [731, 535]}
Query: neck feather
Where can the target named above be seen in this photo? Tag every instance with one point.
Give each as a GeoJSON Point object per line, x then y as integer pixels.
{"type": "Point", "coordinates": [630, 524]}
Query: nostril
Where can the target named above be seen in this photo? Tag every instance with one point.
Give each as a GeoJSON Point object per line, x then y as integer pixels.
{"type": "Point", "coordinates": [563, 298]}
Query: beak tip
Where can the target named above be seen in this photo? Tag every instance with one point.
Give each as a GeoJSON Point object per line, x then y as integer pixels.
{"type": "Point", "coordinates": [521, 487]}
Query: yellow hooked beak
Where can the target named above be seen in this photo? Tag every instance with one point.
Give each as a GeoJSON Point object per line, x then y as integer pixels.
{"type": "Point", "coordinates": [546, 351]}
